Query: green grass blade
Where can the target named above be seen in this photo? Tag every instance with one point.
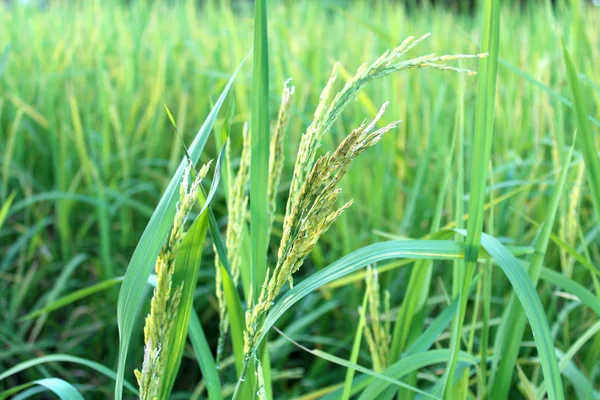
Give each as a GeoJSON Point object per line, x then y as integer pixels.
{"type": "Point", "coordinates": [259, 163]}
{"type": "Point", "coordinates": [63, 389]}
{"type": "Point", "coordinates": [484, 126]}
{"type": "Point", "coordinates": [410, 364]}
{"type": "Point", "coordinates": [340, 361]}
{"type": "Point", "coordinates": [534, 310]}
{"type": "Point", "coordinates": [69, 359]}
{"type": "Point", "coordinates": [149, 246]}
{"type": "Point", "coordinates": [205, 358]}
{"type": "Point", "coordinates": [413, 249]}
{"type": "Point", "coordinates": [59, 284]}
{"type": "Point", "coordinates": [587, 143]}
{"type": "Point", "coordinates": [422, 344]}
{"type": "Point", "coordinates": [23, 389]}
{"type": "Point", "coordinates": [482, 147]}
{"type": "Point", "coordinates": [355, 350]}
{"type": "Point", "coordinates": [513, 321]}
{"type": "Point", "coordinates": [584, 295]}
{"type": "Point", "coordinates": [566, 358]}
{"type": "Point", "coordinates": [74, 296]}
{"type": "Point", "coordinates": [259, 176]}
{"type": "Point", "coordinates": [582, 385]}
{"type": "Point", "coordinates": [236, 319]}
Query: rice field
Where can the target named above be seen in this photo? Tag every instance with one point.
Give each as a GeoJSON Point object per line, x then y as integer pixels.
{"type": "Point", "coordinates": [299, 200]}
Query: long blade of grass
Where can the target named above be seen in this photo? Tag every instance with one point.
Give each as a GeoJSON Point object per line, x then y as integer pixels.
{"type": "Point", "coordinates": [582, 385]}
{"type": "Point", "coordinates": [569, 285]}
{"type": "Point", "coordinates": [259, 162]}
{"type": "Point", "coordinates": [236, 319]}
{"type": "Point", "coordinates": [148, 247]}
{"type": "Point", "coordinates": [348, 364]}
{"type": "Point", "coordinates": [203, 354]}
{"type": "Point", "coordinates": [513, 321]}
{"type": "Point", "coordinates": [63, 389]}
{"type": "Point", "coordinates": [414, 249]}
{"type": "Point", "coordinates": [59, 284]}
{"type": "Point", "coordinates": [73, 297]}
{"type": "Point", "coordinates": [259, 176]}
{"type": "Point", "coordinates": [534, 310]}
{"type": "Point", "coordinates": [69, 359]}
{"type": "Point", "coordinates": [355, 350]}
{"type": "Point", "coordinates": [410, 364]}
{"type": "Point", "coordinates": [565, 359]}
{"type": "Point", "coordinates": [482, 147]}
{"type": "Point", "coordinates": [422, 344]}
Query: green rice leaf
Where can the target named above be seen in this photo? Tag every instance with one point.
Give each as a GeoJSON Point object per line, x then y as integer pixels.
{"type": "Point", "coordinates": [534, 311]}
{"type": "Point", "coordinates": [355, 349]}
{"type": "Point", "coordinates": [513, 319]}
{"type": "Point", "coordinates": [410, 364]}
{"type": "Point", "coordinates": [354, 366]}
{"type": "Point", "coordinates": [208, 367]}
{"type": "Point", "coordinates": [237, 320]}
{"type": "Point", "coordinates": [259, 162]}
{"type": "Point", "coordinates": [482, 147]}
{"type": "Point", "coordinates": [572, 287]}
{"type": "Point", "coordinates": [413, 249]}
{"type": "Point", "coordinates": [69, 359]}
{"type": "Point", "coordinates": [63, 389]}
{"type": "Point", "coordinates": [582, 385]}
{"type": "Point", "coordinates": [74, 296]}
{"type": "Point", "coordinates": [422, 344]}
{"type": "Point", "coordinates": [59, 284]}
{"type": "Point", "coordinates": [583, 390]}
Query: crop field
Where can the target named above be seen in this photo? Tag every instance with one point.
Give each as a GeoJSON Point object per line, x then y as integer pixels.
{"type": "Point", "coordinates": [299, 200]}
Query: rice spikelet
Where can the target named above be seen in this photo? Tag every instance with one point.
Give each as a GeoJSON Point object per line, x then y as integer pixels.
{"type": "Point", "coordinates": [165, 300]}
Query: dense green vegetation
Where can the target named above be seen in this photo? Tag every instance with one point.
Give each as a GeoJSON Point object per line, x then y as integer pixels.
{"type": "Point", "coordinates": [87, 150]}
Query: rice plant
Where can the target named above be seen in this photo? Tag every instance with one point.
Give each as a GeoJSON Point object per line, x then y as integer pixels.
{"type": "Point", "coordinates": [459, 260]}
